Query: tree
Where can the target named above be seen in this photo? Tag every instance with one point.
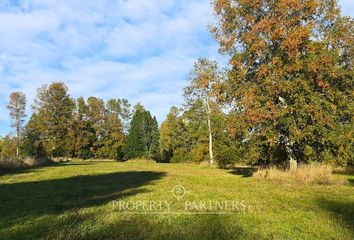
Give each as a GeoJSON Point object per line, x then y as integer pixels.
{"type": "Point", "coordinates": [83, 132]}
{"type": "Point", "coordinates": [175, 140]}
{"type": "Point", "coordinates": [290, 79]}
{"type": "Point", "coordinates": [33, 142]}
{"type": "Point", "coordinates": [143, 137]}
{"type": "Point", "coordinates": [125, 113]}
{"type": "Point", "coordinates": [114, 140]}
{"type": "Point", "coordinates": [55, 107]}
{"type": "Point", "coordinates": [154, 139]}
{"type": "Point", "coordinates": [167, 136]}
{"type": "Point", "coordinates": [17, 109]}
{"type": "Point", "coordinates": [203, 88]}
{"type": "Point", "coordinates": [7, 147]}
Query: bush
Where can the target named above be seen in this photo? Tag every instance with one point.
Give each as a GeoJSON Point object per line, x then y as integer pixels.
{"type": "Point", "coordinates": [7, 147]}
{"type": "Point", "coordinates": [312, 173]}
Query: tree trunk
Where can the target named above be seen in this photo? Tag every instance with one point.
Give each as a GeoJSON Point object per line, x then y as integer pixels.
{"type": "Point", "coordinates": [289, 151]}
{"type": "Point", "coordinates": [211, 153]}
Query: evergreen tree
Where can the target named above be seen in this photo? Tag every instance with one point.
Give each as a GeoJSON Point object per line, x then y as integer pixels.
{"type": "Point", "coordinates": [135, 144]}
{"type": "Point", "coordinates": [143, 137]}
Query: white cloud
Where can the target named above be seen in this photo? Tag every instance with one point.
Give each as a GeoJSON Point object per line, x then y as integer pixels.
{"type": "Point", "coordinates": [138, 49]}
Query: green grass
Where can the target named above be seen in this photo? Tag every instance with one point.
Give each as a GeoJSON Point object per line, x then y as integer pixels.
{"type": "Point", "coordinates": [74, 201]}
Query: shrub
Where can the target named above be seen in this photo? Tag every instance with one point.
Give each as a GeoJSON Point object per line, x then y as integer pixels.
{"type": "Point", "coordinates": [312, 173]}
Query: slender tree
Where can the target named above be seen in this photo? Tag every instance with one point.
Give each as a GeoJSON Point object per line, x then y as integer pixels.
{"type": "Point", "coordinates": [17, 109]}
{"type": "Point", "coordinates": [203, 85]}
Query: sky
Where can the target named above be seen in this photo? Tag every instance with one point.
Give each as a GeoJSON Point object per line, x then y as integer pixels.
{"type": "Point", "coordinates": [142, 50]}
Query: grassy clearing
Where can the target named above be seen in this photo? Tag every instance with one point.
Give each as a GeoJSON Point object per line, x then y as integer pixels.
{"type": "Point", "coordinates": [74, 201]}
{"type": "Point", "coordinates": [304, 174]}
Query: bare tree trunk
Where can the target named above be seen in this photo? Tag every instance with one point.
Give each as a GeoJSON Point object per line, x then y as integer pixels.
{"type": "Point", "coordinates": [211, 153]}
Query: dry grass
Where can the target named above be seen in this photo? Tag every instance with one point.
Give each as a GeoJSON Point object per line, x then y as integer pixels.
{"type": "Point", "coordinates": [349, 170]}
{"type": "Point", "coordinates": [307, 174]}
{"type": "Point", "coordinates": [141, 160]}
{"type": "Point", "coordinates": [19, 163]}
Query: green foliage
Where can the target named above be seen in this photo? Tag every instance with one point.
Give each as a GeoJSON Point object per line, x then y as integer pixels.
{"type": "Point", "coordinates": [8, 148]}
{"type": "Point", "coordinates": [17, 110]}
{"type": "Point", "coordinates": [55, 108]}
{"type": "Point", "coordinates": [290, 79]}
{"type": "Point", "coordinates": [33, 144]}
{"type": "Point", "coordinates": [184, 134]}
{"type": "Point", "coordinates": [143, 138]}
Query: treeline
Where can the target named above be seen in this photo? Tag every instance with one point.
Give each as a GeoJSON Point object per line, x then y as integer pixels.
{"type": "Point", "coordinates": [61, 126]}
{"type": "Point", "coordinates": [286, 95]}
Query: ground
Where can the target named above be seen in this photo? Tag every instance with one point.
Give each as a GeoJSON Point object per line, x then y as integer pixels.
{"type": "Point", "coordinates": [75, 201]}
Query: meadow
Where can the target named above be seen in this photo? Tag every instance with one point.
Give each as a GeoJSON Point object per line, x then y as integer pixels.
{"type": "Point", "coordinates": [75, 200]}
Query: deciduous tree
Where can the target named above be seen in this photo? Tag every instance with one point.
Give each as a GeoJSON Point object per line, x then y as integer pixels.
{"type": "Point", "coordinates": [291, 77]}
{"type": "Point", "coordinates": [17, 109]}
{"type": "Point", "coordinates": [204, 88]}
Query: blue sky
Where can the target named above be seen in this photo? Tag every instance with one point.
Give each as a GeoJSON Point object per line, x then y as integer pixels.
{"type": "Point", "coordinates": [142, 50]}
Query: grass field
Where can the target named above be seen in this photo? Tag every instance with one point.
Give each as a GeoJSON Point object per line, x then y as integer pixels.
{"type": "Point", "coordinates": [75, 201]}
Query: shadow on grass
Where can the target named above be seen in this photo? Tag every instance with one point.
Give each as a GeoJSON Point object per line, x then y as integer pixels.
{"type": "Point", "coordinates": [21, 201]}
{"type": "Point", "coordinates": [243, 171]}
{"type": "Point", "coordinates": [351, 181]}
{"type": "Point", "coordinates": [342, 211]}
{"type": "Point", "coordinates": [197, 227]}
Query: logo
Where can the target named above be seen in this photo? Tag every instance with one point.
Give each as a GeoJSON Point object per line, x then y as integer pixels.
{"type": "Point", "coordinates": [179, 192]}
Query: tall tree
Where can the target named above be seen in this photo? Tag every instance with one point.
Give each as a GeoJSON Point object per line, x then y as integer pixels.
{"type": "Point", "coordinates": [290, 82]}
{"type": "Point", "coordinates": [175, 137]}
{"type": "Point", "coordinates": [56, 107]}
{"type": "Point", "coordinates": [167, 136]}
{"type": "Point", "coordinates": [143, 137]}
{"type": "Point", "coordinates": [33, 142]}
{"type": "Point", "coordinates": [125, 113]}
{"type": "Point", "coordinates": [82, 130]}
{"type": "Point", "coordinates": [114, 140]}
{"type": "Point", "coordinates": [17, 109]}
{"type": "Point", "coordinates": [97, 116]}
{"type": "Point", "coordinates": [203, 88]}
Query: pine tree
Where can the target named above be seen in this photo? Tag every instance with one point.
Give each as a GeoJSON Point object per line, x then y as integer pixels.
{"type": "Point", "coordinates": [143, 137]}
{"type": "Point", "coordinates": [135, 144]}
